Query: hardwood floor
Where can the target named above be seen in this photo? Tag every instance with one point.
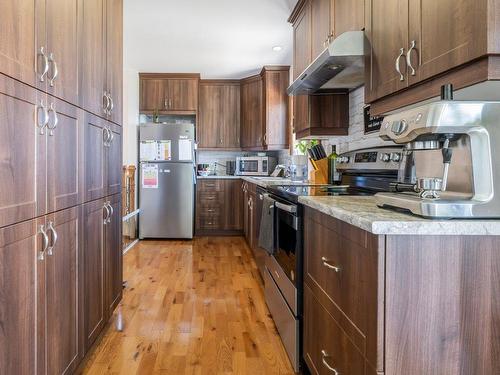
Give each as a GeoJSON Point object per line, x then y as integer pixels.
{"type": "Point", "coordinates": [193, 307]}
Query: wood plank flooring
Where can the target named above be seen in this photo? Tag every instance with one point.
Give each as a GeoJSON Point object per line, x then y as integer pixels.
{"type": "Point", "coordinates": [194, 307]}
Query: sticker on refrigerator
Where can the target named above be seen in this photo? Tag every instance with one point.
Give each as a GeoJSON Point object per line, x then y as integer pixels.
{"type": "Point", "coordinates": [148, 150]}
{"type": "Point", "coordinates": [164, 150]}
{"type": "Point", "coordinates": [150, 176]}
{"type": "Point", "coordinates": [185, 149]}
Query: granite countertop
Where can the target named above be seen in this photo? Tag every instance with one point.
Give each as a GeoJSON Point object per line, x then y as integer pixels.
{"type": "Point", "coordinates": [362, 212]}
{"type": "Point", "coordinates": [218, 177]}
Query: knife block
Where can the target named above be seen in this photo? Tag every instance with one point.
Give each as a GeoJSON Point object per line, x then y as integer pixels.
{"type": "Point", "coordinates": [319, 174]}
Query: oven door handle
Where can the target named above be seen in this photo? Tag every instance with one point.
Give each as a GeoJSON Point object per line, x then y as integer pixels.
{"type": "Point", "coordinates": [285, 207]}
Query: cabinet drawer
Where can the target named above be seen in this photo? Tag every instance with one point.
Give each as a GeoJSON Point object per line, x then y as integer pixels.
{"type": "Point", "coordinates": [210, 185]}
{"type": "Point", "coordinates": [327, 348]}
{"type": "Point", "coordinates": [209, 210]}
{"type": "Point", "coordinates": [210, 198]}
{"type": "Point", "coordinates": [342, 268]}
{"type": "Point", "coordinates": [209, 221]}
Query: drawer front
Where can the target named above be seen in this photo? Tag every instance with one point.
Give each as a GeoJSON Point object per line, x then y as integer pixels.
{"type": "Point", "coordinates": [209, 222]}
{"type": "Point", "coordinates": [210, 198]}
{"type": "Point", "coordinates": [210, 185]}
{"type": "Point", "coordinates": [285, 285]}
{"type": "Point", "coordinates": [287, 325]}
{"type": "Point", "coordinates": [326, 346]}
{"type": "Point", "coordinates": [344, 274]}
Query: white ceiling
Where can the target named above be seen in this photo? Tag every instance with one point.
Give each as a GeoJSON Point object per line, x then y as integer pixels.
{"type": "Point", "coordinates": [217, 38]}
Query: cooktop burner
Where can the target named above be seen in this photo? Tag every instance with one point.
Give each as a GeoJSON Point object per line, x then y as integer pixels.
{"type": "Point", "coordinates": [292, 192]}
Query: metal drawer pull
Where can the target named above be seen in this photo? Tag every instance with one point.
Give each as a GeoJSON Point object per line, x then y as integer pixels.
{"type": "Point", "coordinates": [54, 238]}
{"type": "Point", "coordinates": [408, 57]}
{"type": "Point", "coordinates": [55, 70]}
{"type": "Point", "coordinates": [401, 54]}
{"type": "Point", "coordinates": [327, 263]}
{"type": "Point", "coordinates": [324, 356]}
{"type": "Point", "coordinates": [45, 243]}
{"type": "Point", "coordinates": [285, 207]}
{"type": "Point", "coordinates": [55, 121]}
{"type": "Point", "coordinates": [111, 211]}
{"type": "Point", "coordinates": [105, 221]}
{"type": "Point", "coordinates": [45, 118]}
{"type": "Point", "coordinates": [45, 63]}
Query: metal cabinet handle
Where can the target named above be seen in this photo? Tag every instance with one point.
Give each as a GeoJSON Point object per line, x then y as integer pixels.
{"type": "Point", "coordinates": [55, 121]}
{"type": "Point", "coordinates": [105, 136]}
{"type": "Point", "coordinates": [111, 104]}
{"type": "Point", "coordinates": [55, 70]}
{"type": "Point", "coordinates": [286, 207]}
{"type": "Point", "coordinates": [41, 254]}
{"type": "Point", "coordinates": [50, 227]}
{"type": "Point", "coordinates": [265, 138]}
{"type": "Point", "coordinates": [328, 264]}
{"type": "Point", "coordinates": [398, 59]}
{"type": "Point", "coordinates": [105, 221]}
{"type": "Point", "coordinates": [45, 63]}
{"type": "Point", "coordinates": [169, 103]}
{"type": "Point", "coordinates": [324, 356]}
{"type": "Point", "coordinates": [165, 103]}
{"type": "Point", "coordinates": [413, 44]}
{"type": "Point", "coordinates": [111, 212]}
{"type": "Point", "coordinates": [111, 137]}
{"type": "Point", "coordinates": [105, 102]}
{"type": "Point", "coordinates": [44, 118]}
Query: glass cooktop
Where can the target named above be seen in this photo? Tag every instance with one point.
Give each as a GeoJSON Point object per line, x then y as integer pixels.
{"type": "Point", "coordinates": [292, 192]}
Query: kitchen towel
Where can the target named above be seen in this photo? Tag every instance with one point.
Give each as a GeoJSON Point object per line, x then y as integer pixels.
{"type": "Point", "coordinates": [266, 232]}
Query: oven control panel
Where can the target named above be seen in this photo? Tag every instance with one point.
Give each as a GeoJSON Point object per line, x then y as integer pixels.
{"type": "Point", "coordinates": [377, 158]}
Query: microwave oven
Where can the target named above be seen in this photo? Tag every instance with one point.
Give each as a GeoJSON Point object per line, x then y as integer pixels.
{"type": "Point", "coordinates": [255, 165]}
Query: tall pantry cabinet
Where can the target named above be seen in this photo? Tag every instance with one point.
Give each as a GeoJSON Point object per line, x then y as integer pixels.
{"type": "Point", "coordinates": [60, 183]}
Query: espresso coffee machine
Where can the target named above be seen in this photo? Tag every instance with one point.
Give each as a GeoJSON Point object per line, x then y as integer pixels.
{"type": "Point", "coordinates": [448, 167]}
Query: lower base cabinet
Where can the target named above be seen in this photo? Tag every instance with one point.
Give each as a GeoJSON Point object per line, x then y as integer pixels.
{"type": "Point", "coordinates": [39, 295]}
{"type": "Point", "coordinates": [102, 263]}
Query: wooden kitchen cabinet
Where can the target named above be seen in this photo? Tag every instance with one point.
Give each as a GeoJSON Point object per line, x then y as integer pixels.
{"type": "Point", "coordinates": [114, 58]}
{"type": "Point", "coordinates": [368, 299]}
{"type": "Point", "coordinates": [219, 115]}
{"type": "Point", "coordinates": [264, 109]}
{"type": "Point", "coordinates": [432, 45]}
{"type": "Point", "coordinates": [315, 115]}
{"type": "Point", "coordinates": [103, 156]}
{"type": "Point", "coordinates": [219, 207]}
{"type": "Point", "coordinates": [168, 93]}
{"type": "Point", "coordinates": [347, 15]}
{"type": "Point", "coordinates": [40, 299]}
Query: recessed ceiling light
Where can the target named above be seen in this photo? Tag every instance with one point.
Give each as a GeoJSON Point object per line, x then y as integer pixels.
{"type": "Point", "coordinates": [277, 48]}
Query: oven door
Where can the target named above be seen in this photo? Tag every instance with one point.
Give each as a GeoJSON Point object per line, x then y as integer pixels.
{"type": "Point", "coordinates": [288, 237]}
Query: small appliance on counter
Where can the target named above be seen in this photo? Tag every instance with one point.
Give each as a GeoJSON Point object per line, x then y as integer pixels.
{"type": "Point", "coordinates": [230, 167]}
{"type": "Point", "coordinates": [203, 169]}
{"type": "Point", "coordinates": [255, 165]}
{"type": "Point", "coordinates": [448, 168]}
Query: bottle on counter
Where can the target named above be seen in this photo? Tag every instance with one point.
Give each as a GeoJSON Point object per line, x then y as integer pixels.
{"type": "Point", "coordinates": [333, 173]}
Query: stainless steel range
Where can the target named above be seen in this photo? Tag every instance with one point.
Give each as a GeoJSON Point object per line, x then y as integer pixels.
{"type": "Point", "coordinates": [364, 172]}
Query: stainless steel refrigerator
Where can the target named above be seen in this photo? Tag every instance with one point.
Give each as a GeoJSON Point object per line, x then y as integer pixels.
{"type": "Point", "coordinates": [167, 180]}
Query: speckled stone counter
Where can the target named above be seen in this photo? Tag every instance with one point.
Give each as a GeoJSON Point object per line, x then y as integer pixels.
{"type": "Point", "coordinates": [218, 177]}
{"type": "Point", "coordinates": [266, 181]}
{"type": "Point", "coordinates": [363, 212]}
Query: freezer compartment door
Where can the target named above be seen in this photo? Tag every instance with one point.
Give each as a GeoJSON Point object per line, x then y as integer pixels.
{"type": "Point", "coordinates": [161, 142]}
{"type": "Point", "coordinates": [166, 200]}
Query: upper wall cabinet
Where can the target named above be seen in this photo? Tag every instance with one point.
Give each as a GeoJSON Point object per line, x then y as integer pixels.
{"type": "Point", "coordinates": [101, 63]}
{"type": "Point", "coordinates": [426, 39]}
{"type": "Point", "coordinates": [264, 109]}
{"type": "Point", "coordinates": [219, 114]}
{"type": "Point", "coordinates": [42, 47]}
{"type": "Point", "coordinates": [169, 92]}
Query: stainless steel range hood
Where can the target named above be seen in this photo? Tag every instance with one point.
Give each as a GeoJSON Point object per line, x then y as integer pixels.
{"type": "Point", "coordinates": [341, 66]}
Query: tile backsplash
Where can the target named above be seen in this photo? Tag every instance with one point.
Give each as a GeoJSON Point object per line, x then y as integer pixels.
{"type": "Point", "coordinates": [219, 158]}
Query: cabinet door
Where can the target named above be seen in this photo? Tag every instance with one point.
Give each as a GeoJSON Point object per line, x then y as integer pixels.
{"type": "Point", "coordinates": [320, 17]}
{"type": "Point", "coordinates": [22, 153]}
{"type": "Point", "coordinates": [65, 167]}
{"type": "Point", "coordinates": [245, 211]}
{"type": "Point", "coordinates": [61, 21]}
{"type": "Point", "coordinates": [95, 158]}
{"type": "Point", "coordinates": [114, 53]}
{"type": "Point", "coordinates": [302, 47]}
{"type": "Point", "coordinates": [386, 40]}
{"type": "Point", "coordinates": [209, 116]}
{"type": "Point", "coordinates": [114, 161]}
{"type": "Point", "coordinates": [113, 257]}
{"type": "Point", "coordinates": [153, 97]}
{"type": "Point", "coordinates": [255, 108]}
{"type": "Point", "coordinates": [92, 56]}
{"type": "Point", "coordinates": [93, 270]}
{"type": "Point", "coordinates": [230, 110]}
{"type": "Point", "coordinates": [300, 113]}
{"type": "Point", "coordinates": [233, 205]}
{"type": "Point", "coordinates": [245, 116]}
{"type": "Point", "coordinates": [22, 311]}
{"type": "Point", "coordinates": [182, 94]}
{"type": "Point", "coordinates": [276, 108]}
{"type": "Point", "coordinates": [447, 34]}
{"type": "Point", "coordinates": [18, 29]}
{"type": "Point", "coordinates": [347, 15]}
{"type": "Point", "coordinates": [62, 294]}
